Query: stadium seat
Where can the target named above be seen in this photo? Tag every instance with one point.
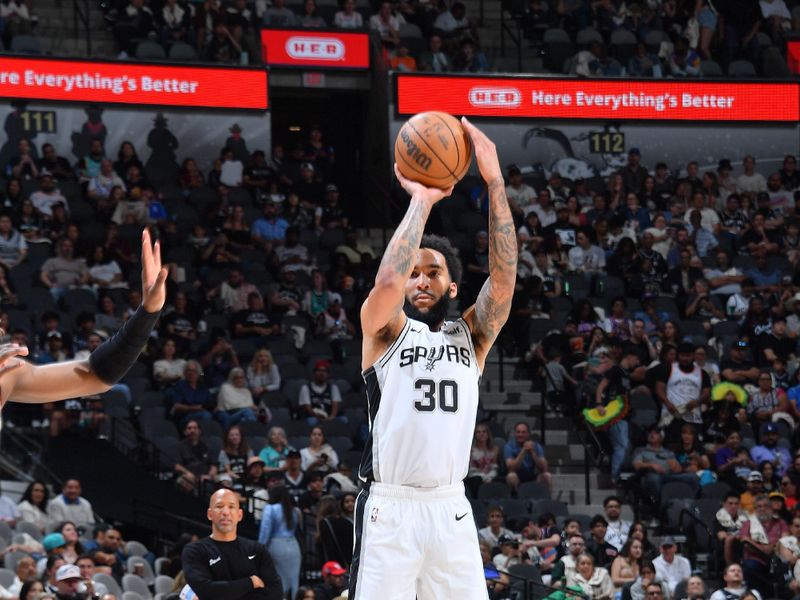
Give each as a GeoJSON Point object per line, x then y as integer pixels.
{"type": "Point", "coordinates": [585, 37]}
{"type": "Point", "coordinates": [742, 69]}
{"type": "Point", "coordinates": [163, 584]}
{"type": "Point", "coordinates": [7, 578]}
{"type": "Point", "coordinates": [149, 50]}
{"type": "Point", "coordinates": [533, 490]}
{"type": "Point", "coordinates": [107, 580]}
{"type": "Point", "coordinates": [493, 490]}
{"type": "Point", "coordinates": [26, 44]}
{"type": "Point", "coordinates": [557, 49]}
{"type": "Point", "coordinates": [622, 45]}
{"type": "Point", "coordinates": [256, 442]}
{"type": "Point", "coordinates": [182, 51]}
{"type": "Point", "coordinates": [29, 528]}
{"type": "Point", "coordinates": [653, 39]}
{"type": "Point", "coordinates": [675, 490]}
{"type": "Point", "coordinates": [555, 507]}
{"type": "Point", "coordinates": [715, 491]}
{"type": "Point", "coordinates": [710, 69]}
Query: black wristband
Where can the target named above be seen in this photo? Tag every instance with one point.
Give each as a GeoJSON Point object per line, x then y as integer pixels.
{"type": "Point", "coordinates": [114, 357]}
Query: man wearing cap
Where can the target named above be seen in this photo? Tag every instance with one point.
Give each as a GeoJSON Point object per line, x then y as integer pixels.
{"type": "Point", "coordinates": [320, 400]}
{"type": "Point", "coordinates": [224, 566]}
{"type": "Point", "coordinates": [269, 230]}
{"type": "Point", "coordinates": [759, 536]}
{"type": "Point", "coordinates": [333, 581]}
{"type": "Point", "coordinates": [657, 465]}
{"type": "Point", "coordinates": [293, 478]}
{"type": "Point", "coordinates": [671, 568]}
{"type": "Point", "coordinates": [769, 451]}
{"type": "Point", "coordinates": [68, 584]}
{"type": "Point", "coordinates": [633, 174]}
{"type": "Point", "coordinates": [330, 215]}
{"type": "Point", "coordinates": [736, 368]}
{"type": "Point", "coordinates": [563, 229]}
{"type": "Point", "coordinates": [334, 323]}
{"type": "Point", "coordinates": [755, 488]}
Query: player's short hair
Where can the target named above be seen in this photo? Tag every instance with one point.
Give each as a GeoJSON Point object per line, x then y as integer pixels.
{"type": "Point", "coordinates": [443, 245]}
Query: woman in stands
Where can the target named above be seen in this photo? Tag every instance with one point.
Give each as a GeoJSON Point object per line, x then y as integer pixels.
{"type": "Point", "coordinates": [531, 228]}
{"type": "Point", "coordinates": [318, 455]}
{"type": "Point", "coordinates": [334, 532]}
{"type": "Point", "coordinates": [483, 462]}
{"type": "Point", "coordinates": [639, 532]}
{"type": "Point", "coordinates": [620, 324]}
{"type": "Point", "coordinates": [279, 522]}
{"type": "Point", "coordinates": [625, 568]}
{"type": "Point", "coordinates": [127, 157]}
{"type": "Point", "coordinates": [235, 401]}
{"type": "Point", "coordinates": [296, 213]}
{"type": "Point", "coordinates": [33, 506]}
{"type": "Point", "coordinates": [237, 229]}
{"type": "Point", "coordinates": [305, 593]}
{"type": "Point", "coordinates": [668, 333]}
{"type": "Point", "coordinates": [557, 255]}
{"type": "Point", "coordinates": [31, 590]}
{"type": "Point", "coordinates": [790, 486]}
{"type": "Point", "coordinates": [190, 176]}
{"type": "Point", "coordinates": [234, 454]}
{"type": "Point", "coordinates": [348, 503]}
{"type": "Point", "coordinates": [593, 581]}
{"type": "Point", "coordinates": [318, 298]}
{"type": "Point", "coordinates": [586, 317]}
{"type": "Point", "coordinates": [168, 369]}
{"type": "Point", "coordinates": [73, 549]}
{"type": "Point", "coordinates": [104, 271]}
{"type": "Point", "coordinates": [263, 374]}
{"type": "Point", "coordinates": [28, 222]}
{"type": "Point", "coordinates": [274, 453]}
{"type": "Point", "coordinates": [771, 480]}
{"type": "Point", "coordinates": [624, 261]}
{"type": "Point", "coordinates": [310, 19]}
{"type": "Point", "coordinates": [691, 448]}
{"type": "Point", "coordinates": [576, 216]}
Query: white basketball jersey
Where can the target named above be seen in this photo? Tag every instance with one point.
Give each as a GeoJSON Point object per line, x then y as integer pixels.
{"type": "Point", "coordinates": [422, 397]}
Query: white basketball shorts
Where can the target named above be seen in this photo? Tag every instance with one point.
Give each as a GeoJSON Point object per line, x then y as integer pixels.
{"type": "Point", "coordinates": [415, 543]}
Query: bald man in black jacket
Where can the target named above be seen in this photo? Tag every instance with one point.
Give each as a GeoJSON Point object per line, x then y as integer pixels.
{"type": "Point", "coordinates": [226, 567]}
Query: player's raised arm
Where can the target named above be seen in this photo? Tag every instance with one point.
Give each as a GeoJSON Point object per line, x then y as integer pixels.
{"type": "Point", "coordinates": [493, 305]}
{"type": "Point", "coordinates": [21, 381]}
{"type": "Point", "coordinates": [382, 311]}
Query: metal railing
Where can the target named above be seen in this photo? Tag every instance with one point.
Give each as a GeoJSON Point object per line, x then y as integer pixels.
{"type": "Point", "coordinates": [82, 16]}
{"type": "Point", "coordinates": [593, 454]}
{"type": "Point", "coordinates": [514, 32]}
{"type": "Point", "coordinates": [533, 589]}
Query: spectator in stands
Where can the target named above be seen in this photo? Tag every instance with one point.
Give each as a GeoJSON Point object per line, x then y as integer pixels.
{"type": "Point", "coordinates": [225, 46]}
{"type": "Point", "coordinates": [671, 568]}
{"type": "Point", "coordinates": [13, 247]}
{"type": "Point", "coordinates": [275, 452]}
{"type": "Point", "coordinates": [133, 23]}
{"type": "Point", "coordinates": [253, 322]}
{"type": "Point", "coordinates": [190, 399]}
{"type": "Point", "coordinates": [293, 254]}
{"type": "Point", "coordinates": [33, 590]}
{"type": "Point", "coordinates": [617, 529]}
{"type": "Point", "coordinates": [602, 552]}
{"type": "Point", "coordinates": [658, 465]}
{"type": "Point", "coordinates": [484, 456]}
{"type": "Point", "coordinates": [269, 230]}
{"type": "Point", "coordinates": [616, 382]}
{"type": "Point", "coordinates": [70, 506]}
{"type": "Point", "coordinates": [401, 60]}
{"type": "Point", "coordinates": [725, 280]}
{"type": "Point", "coordinates": [234, 455]}
{"type": "Point", "coordinates": [734, 586]}
{"type": "Point", "coordinates": [524, 459]}
{"type": "Point", "coordinates": [310, 18]}
{"type": "Point", "coordinates": [434, 58]}
{"type": "Point", "coordinates": [218, 359]}
{"type": "Point", "coordinates": [318, 456]}
{"type": "Point", "coordinates": [294, 478]}
{"type": "Point", "coordinates": [333, 582]}
{"type": "Point", "coordinates": [510, 554]}
{"type": "Point", "coordinates": [169, 368]}
{"type": "Point", "coordinates": [386, 24]}
{"type": "Point", "coordinates": [585, 257]}
{"type": "Point", "coordinates": [495, 527]}
{"type": "Point", "coordinates": [279, 523]}
{"type": "Point", "coordinates": [55, 165]}
{"type": "Point", "coordinates": [234, 291]}
{"type": "Point", "coordinates": [625, 568]}
{"type": "Point", "coordinates": [263, 374]}
{"type": "Point", "coordinates": [24, 573]}
{"type": "Point", "coordinates": [235, 401]}
{"type": "Point", "coordinates": [768, 449]}
{"type": "Point", "coordinates": [728, 522]}
{"type": "Point", "coordinates": [682, 393]}
{"type": "Point", "coordinates": [736, 368]}
{"type": "Point", "coordinates": [633, 173]}
{"type": "Point", "coordinates": [334, 532]}
{"type": "Point", "coordinates": [101, 185]}
{"type": "Point", "coordinates": [565, 566]}
{"type": "Point", "coordinates": [23, 165]}
{"type": "Point", "coordinates": [104, 271]}
{"type": "Point", "coordinates": [470, 58]}
{"type": "Point", "coordinates": [750, 181]}
{"type": "Point", "coordinates": [47, 196]}
{"type": "Point", "coordinates": [593, 581]}
{"type": "Point", "coordinates": [684, 61]}
{"type": "Point", "coordinates": [33, 506]}
{"type": "Point", "coordinates": [355, 251]}
{"type": "Point", "coordinates": [72, 548]}
{"type": "Point", "coordinates": [195, 465]}
{"type": "Point", "coordinates": [333, 324]}
{"type": "Point", "coordinates": [760, 238]}
{"type": "Point", "coordinates": [330, 215]}
{"type": "Point", "coordinates": [348, 17]}
{"type": "Point", "coordinates": [309, 499]}
{"type": "Point", "coordinates": [111, 553]}
{"type": "Point", "coordinates": [759, 536]}
{"type": "Point", "coordinates": [320, 399]}
{"type": "Point", "coordinates": [88, 166]}
{"type": "Point", "coordinates": [278, 15]}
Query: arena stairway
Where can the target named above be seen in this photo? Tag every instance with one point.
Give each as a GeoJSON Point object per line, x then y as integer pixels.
{"type": "Point", "coordinates": [563, 447]}
{"type": "Point", "coordinates": [123, 491]}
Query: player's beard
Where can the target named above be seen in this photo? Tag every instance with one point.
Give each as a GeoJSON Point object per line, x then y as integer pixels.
{"type": "Point", "coordinates": [435, 314]}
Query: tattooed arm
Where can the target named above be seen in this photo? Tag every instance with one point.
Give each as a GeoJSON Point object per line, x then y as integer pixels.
{"type": "Point", "coordinates": [382, 315]}
{"type": "Point", "coordinates": [490, 312]}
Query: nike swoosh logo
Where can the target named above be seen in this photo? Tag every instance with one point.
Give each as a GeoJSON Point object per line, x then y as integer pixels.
{"type": "Point", "coordinates": [251, 557]}
{"type": "Point", "coordinates": [461, 517]}
{"type": "Point", "coordinates": [213, 561]}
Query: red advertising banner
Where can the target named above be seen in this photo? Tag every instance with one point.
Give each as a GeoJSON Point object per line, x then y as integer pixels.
{"type": "Point", "coordinates": [319, 49]}
{"type": "Point", "coordinates": [132, 83]}
{"type": "Point", "coordinates": [793, 55]}
{"type": "Point", "coordinates": [517, 97]}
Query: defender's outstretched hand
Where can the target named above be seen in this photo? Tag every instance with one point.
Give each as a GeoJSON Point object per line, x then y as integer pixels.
{"type": "Point", "coordinates": [154, 276]}
{"type": "Point", "coordinates": [9, 352]}
{"type": "Point", "coordinates": [485, 152]}
{"type": "Point", "coordinates": [417, 190]}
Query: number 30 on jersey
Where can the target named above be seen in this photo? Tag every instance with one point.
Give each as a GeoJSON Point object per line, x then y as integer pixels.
{"type": "Point", "coordinates": [443, 394]}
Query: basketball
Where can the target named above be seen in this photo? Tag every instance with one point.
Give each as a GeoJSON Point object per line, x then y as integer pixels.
{"type": "Point", "coordinates": [433, 149]}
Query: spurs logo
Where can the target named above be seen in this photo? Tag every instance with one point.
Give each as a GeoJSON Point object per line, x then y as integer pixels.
{"type": "Point", "coordinates": [433, 358]}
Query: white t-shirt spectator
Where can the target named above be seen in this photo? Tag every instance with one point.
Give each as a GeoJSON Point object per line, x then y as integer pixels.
{"type": "Point", "coordinates": [446, 22]}
{"type": "Point", "coordinates": [545, 217]}
{"type": "Point", "coordinates": [168, 369]}
{"type": "Point", "coordinates": [11, 248]}
{"type": "Point", "coordinates": [751, 183]}
{"type": "Point", "coordinates": [344, 21]}
{"type": "Point", "coordinates": [231, 173]}
{"type": "Point", "coordinates": [43, 202]}
{"type": "Point", "coordinates": [106, 273]}
{"type": "Point", "coordinates": [782, 202]}
{"type": "Point", "coordinates": [376, 23]}
{"type": "Point", "coordinates": [726, 593]}
{"type": "Point", "coordinates": [708, 218]}
{"type": "Point", "coordinates": [524, 196]}
{"type": "Point", "coordinates": [774, 8]}
{"type": "Point", "coordinates": [672, 573]}
{"type": "Point", "coordinates": [309, 457]}
{"type": "Point", "coordinates": [589, 260]}
{"type": "Point", "coordinates": [103, 184]}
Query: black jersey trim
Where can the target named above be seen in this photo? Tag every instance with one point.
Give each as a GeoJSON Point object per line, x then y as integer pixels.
{"type": "Point", "coordinates": [381, 362]}
{"type": "Point", "coordinates": [468, 333]}
{"type": "Point", "coordinates": [366, 470]}
{"type": "Point", "coordinates": [358, 537]}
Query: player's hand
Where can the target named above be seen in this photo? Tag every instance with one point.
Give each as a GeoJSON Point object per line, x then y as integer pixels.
{"type": "Point", "coordinates": [257, 583]}
{"type": "Point", "coordinates": [8, 356]}
{"type": "Point", "coordinates": [154, 276]}
{"type": "Point", "coordinates": [485, 153]}
{"type": "Point", "coordinates": [419, 191]}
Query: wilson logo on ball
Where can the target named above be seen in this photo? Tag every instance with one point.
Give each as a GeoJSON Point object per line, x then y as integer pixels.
{"type": "Point", "coordinates": [413, 151]}
{"type": "Point", "coordinates": [305, 48]}
{"type": "Point", "coordinates": [495, 97]}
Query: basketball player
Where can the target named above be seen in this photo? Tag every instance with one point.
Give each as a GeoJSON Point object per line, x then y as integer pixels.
{"type": "Point", "coordinates": [414, 531]}
{"type": "Point", "coordinates": [21, 381]}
